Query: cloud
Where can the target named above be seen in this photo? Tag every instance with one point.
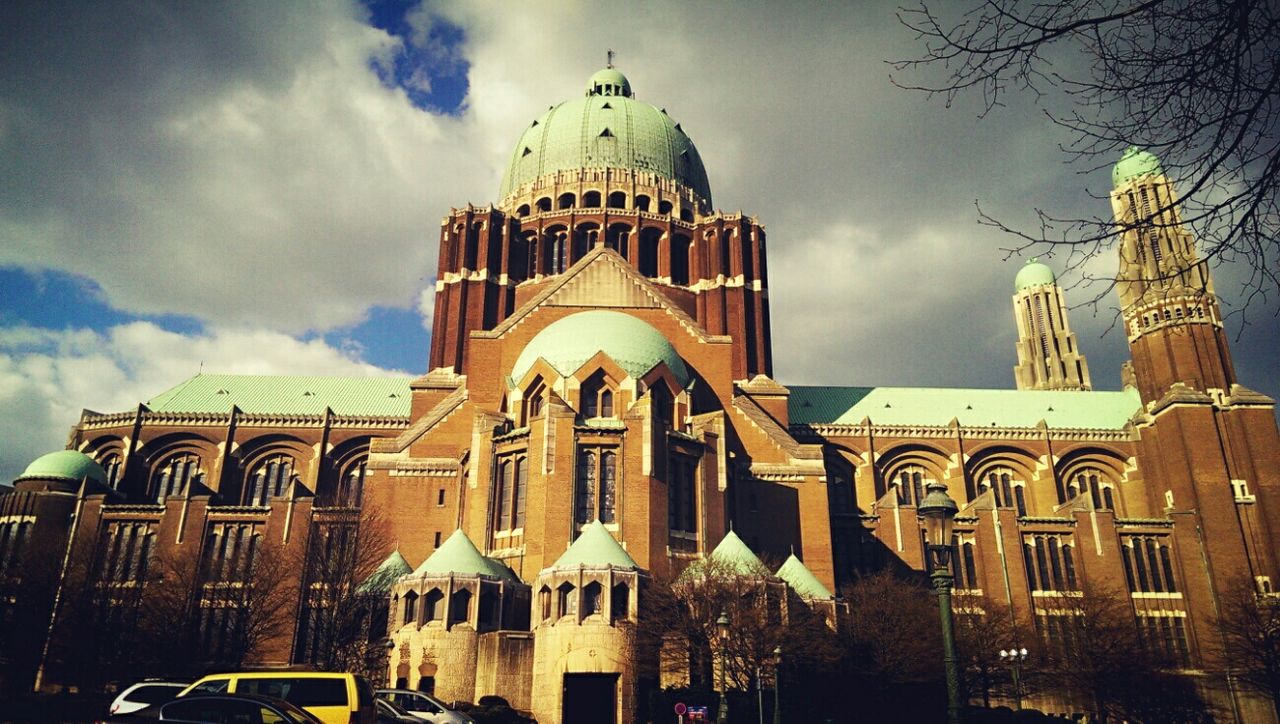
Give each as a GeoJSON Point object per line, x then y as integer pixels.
{"type": "Point", "coordinates": [47, 376]}
{"type": "Point", "coordinates": [247, 166]}
{"type": "Point", "coordinates": [241, 165]}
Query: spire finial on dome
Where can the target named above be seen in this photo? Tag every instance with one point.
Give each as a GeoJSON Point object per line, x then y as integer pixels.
{"type": "Point", "coordinates": [608, 63]}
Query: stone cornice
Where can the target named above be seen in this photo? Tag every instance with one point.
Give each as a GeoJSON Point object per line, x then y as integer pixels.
{"type": "Point", "coordinates": [818, 432]}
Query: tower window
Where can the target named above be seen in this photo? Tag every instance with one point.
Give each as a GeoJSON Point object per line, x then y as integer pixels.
{"type": "Point", "coordinates": [1009, 491]}
{"type": "Point", "coordinates": [112, 463]}
{"type": "Point", "coordinates": [597, 397]}
{"type": "Point", "coordinates": [511, 483]}
{"type": "Point", "coordinates": [682, 494]}
{"type": "Point", "coordinates": [596, 485]}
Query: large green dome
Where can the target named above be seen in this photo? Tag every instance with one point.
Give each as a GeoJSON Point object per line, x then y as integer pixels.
{"type": "Point", "coordinates": [70, 465]}
{"type": "Point", "coordinates": [607, 128]}
{"type": "Point", "coordinates": [1033, 274]}
{"type": "Point", "coordinates": [1134, 163]}
{"type": "Point", "coordinates": [568, 343]}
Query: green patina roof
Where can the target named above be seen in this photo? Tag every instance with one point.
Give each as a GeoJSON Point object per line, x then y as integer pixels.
{"type": "Point", "coordinates": [1033, 274]}
{"type": "Point", "coordinates": [390, 570]}
{"type": "Point", "coordinates": [972, 407]}
{"type": "Point", "coordinates": [288, 395]}
{"type": "Point", "coordinates": [606, 129]}
{"type": "Point", "coordinates": [568, 343]}
{"type": "Point", "coordinates": [595, 548]}
{"type": "Point", "coordinates": [458, 555]}
{"type": "Point", "coordinates": [736, 556]}
{"type": "Point", "coordinates": [801, 579]}
{"type": "Point", "coordinates": [64, 465]}
{"type": "Point", "coordinates": [1134, 163]}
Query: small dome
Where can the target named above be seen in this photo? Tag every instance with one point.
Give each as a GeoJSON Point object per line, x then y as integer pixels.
{"type": "Point", "coordinates": [1033, 274]}
{"type": "Point", "coordinates": [1134, 163]}
{"type": "Point", "coordinates": [607, 128]}
{"type": "Point", "coordinates": [71, 465]}
{"type": "Point", "coordinates": [568, 343]}
{"type": "Point", "coordinates": [609, 82]}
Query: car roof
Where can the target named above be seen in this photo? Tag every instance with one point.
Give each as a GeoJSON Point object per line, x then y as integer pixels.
{"type": "Point", "coordinates": [283, 673]}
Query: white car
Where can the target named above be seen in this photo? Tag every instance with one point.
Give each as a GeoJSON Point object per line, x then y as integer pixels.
{"type": "Point", "coordinates": [144, 694]}
{"type": "Point", "coordinates": [424, 705]}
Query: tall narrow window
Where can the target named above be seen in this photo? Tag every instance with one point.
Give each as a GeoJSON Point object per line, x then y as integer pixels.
{"type": "Point", "coordinates": [351, 484]}
{"type": "Point", "coordinates": [112, 464]}
{"type": "Point", "coordinates": [507, 498]}
{"type": "Point", "coordinates": [522, 487]}
{"type": "Point", "coordinates": [585, 488]}
{"type": "Point", "coordinates": [596, 396]}
{"type": "Point", "coordinates": [174, 476]}
{"type": "Point", "coordinates": [682, 501]}
{"type": "Point", "coordinates": [269, 478]}
{"type": "Point", "coordinates": [909, 482]}
{"type": "Point", "coordinates": [608, 486]}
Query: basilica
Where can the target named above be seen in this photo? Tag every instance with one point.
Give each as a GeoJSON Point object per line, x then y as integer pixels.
{"type": "Point", "coordinates": [599, 408]}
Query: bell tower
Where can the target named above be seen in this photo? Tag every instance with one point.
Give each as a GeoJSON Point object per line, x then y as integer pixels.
{"type": "Point", "coordinates": [1171, 314]}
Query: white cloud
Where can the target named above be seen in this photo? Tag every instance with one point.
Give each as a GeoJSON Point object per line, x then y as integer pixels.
{"type": "Point", "coordinates": [244, 167]}
{"type": "Point", "coordinates": [243, 164]}
{"type": "Point", "coordinates": [47, 377]}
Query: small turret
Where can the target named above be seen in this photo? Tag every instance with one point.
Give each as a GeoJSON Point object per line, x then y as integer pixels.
{"type": "Point", "coordinates": [1048, 355]}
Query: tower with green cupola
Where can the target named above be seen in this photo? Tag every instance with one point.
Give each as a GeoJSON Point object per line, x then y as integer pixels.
{"type": "Point", "coordinates": [1049, 357]}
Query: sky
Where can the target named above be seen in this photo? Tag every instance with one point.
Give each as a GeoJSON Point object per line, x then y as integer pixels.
{"type": "Point", "coordinates": [258, 187]}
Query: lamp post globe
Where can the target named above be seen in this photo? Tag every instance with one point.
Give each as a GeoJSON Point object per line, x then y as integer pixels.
{"type": "Point", "coordinates": [939, 513]}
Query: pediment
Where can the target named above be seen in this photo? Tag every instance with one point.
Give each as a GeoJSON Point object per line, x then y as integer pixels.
{"type": "Point", "coordinates": [602, 279]}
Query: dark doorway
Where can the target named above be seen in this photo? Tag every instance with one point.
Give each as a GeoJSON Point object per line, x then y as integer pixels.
{"type": "Point", "coordinates": [590, 699]}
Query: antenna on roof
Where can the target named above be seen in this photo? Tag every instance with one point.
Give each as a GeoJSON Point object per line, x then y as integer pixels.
{"type": "Point", "coordinates": [609, 58]}
{"type": "Point", "coordinates": [200, 370]}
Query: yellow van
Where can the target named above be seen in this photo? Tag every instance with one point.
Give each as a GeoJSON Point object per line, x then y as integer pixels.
{"type": "Point", "coordinates": [332, 697]}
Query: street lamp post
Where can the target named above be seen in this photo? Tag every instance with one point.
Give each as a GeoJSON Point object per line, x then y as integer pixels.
{"type": "Point", "coordinates": [722, 632]}
{"type": "Point", "coordinates": [1014, 657]}
{"type": "Point", "coordinates": [391, 647]}
{"type": "Point", "coordinates": [777, 685]}
{"type": "Point", "coordinates": [939, 513]}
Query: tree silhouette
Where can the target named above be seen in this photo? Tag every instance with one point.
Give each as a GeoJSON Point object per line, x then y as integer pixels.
{"type": "Point", "coordinates": [1196, 82]}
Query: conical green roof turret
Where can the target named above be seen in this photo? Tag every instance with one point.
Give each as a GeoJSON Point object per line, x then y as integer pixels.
{"type": "Point", "coordinates": [733, 554]}
{"type": "Point", "coordinates": [388, 572]}
{"type": "Point", "coordinates": [801, 579]}
{"type": "Point", "coordinates": [596, 548]}
{"type": "Point", "coordinates": [459, 556]}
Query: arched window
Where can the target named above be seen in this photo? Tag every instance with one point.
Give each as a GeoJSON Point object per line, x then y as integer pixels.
{"type": "Point", "coordinates": [597, 397]}
{"type": "Point", "coordinates": [1094, 483]}
{"type": "Point", "coordinates": [460, 606]}
{"type": "Point", "coordinates": [410, 607]}
{"type": "Point", "coordinates": [567, 599]}
{"type": "Point", "coordinates": [909, 482]}
{"type": "Point", "coordinates": [174, 476]}
{"type": "Point", "coordinates": [534, 399]}
{"type": "Point", "coordinates": [642, 202]}
{"type": "Point", "coordinates": [433, 606]}
{"type": "Point", "coordinates": [351, 483]}
{"type": "Point", "coordinates": [566, 201]}
{"type": "Point", "coordinates": [269, 478]}
{"type": "Point", "coordinates": [664, 207]}
{"type": "Point", "coordinates": [618, 200]}
{"type": "Point", "coordinates": [686, 215]}
{"type": "Point", "coordinates": [591, 598]}
{"type": "Point", "coordinates": [544, 602]}
{"type": "Point", "coordinates": [591, 200]}
{"type": "Point", "coordinates": [1010, 491]}
{"type": "Point", "coordinates": [112, 463]}
{"type": "Point", "coordinates": [620, 601]}
{"type": "Point", "coordinates": [523, 210]}
{"type": "Point", "coordinates": [544, 204]}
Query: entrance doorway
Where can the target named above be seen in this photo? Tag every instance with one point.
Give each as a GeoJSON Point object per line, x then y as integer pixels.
{"type": "Point", "coordinates": [590, 699]}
